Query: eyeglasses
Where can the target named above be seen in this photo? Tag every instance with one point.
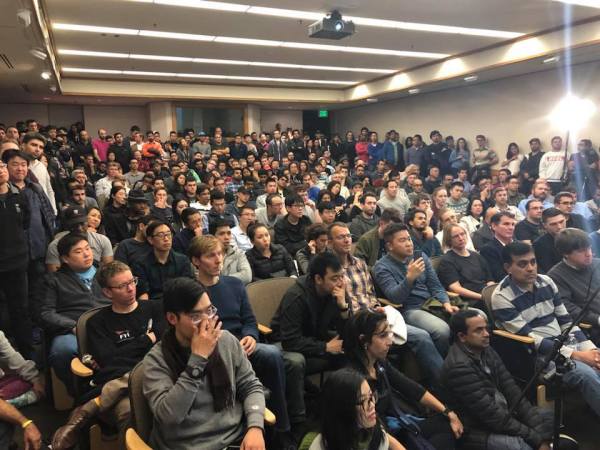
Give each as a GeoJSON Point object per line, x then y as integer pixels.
{"type": "Point", "coordinates": [196, 316]}
{"type": "Point", "coordinates": [167, 235]}
{"type": "Point", "coordinates": [365, 402]}
{"type": "Point", "coordinates": [122, 286]}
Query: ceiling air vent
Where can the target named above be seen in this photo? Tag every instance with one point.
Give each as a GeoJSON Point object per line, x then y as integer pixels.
{"type": "Point", "coordinates": [6, 61]}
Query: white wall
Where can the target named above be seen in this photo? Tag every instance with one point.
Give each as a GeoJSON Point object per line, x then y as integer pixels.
{"type": "Point", "coordinates": [115, 118]}
{"type": "Point", "coordinates": [45, 114]}
{"type": "Point", "coordinates": [287, 118]}
{"type": "Point", "coordinates": [511, 109]}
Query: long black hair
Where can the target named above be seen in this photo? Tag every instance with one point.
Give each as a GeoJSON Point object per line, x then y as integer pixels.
{"type": "Point", "coordinates": [340, 427]}
{"type": "Point", "coordinates": [358, 333]}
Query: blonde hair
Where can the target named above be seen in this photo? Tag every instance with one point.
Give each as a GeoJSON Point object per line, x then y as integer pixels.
{"type": "Point", "coordinates": [201, 245]}
{"type": "Point", "coordinates": [447, 234]}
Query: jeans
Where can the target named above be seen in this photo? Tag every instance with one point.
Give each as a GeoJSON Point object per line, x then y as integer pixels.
{"type": "Point", "coordinates": [14, 286]}
{"type": "Point", "coordinates": [7, 431]}
{"type": "Point", "coordinates": [587, 381]}
{"type": "Point", "coordinates": [295, 366]}
{"type": "Point", "coordinates": [504, 442]}
{"type": "Point", "coordinates": [430, 361]}
{"type": "Point", "coordinates": [436, 327]}
{"type": "Point", "coordinates": [62, 350]}
{"type": "Point", "coordinates": [267, 361]}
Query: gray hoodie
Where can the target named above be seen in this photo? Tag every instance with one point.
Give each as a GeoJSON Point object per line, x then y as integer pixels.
{"type": "Point", "coordinates": [235, 264]}
{"type": "Point", "coordinates": [11, 361]}
{"type": "Point", "coordinates": [184, 416]}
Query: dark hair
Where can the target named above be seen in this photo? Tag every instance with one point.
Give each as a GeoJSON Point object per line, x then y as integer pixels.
{"type": "Point", "coordinates": [34, 137]}
{"type": "Point", "coordinates": [322, 206]}
{"type": "Point", "coordinates": [390, 215]}
{"type": "Point", "coordinates": [516, 248]}
{"type": "Point", "coordinates": [532, 140]}
{"type": "Point", "coordinates": [473, 200]}
{"type": "Point", "coordinates": [560, 195]}
{"type": "Point", "coordinates": [270, 197]}
{"type": "Point", "coordinates": [388, 181]}
{"type": "Point", "coordinates": [154, 225]}
{"type": "Point", "coordinates": [340, 427]}
{"type": "Point", "coordinates": [252, 230]}
{"type": "Point", "coordinates": [411, 213]}
{"type": "Point", "coordinates": [293, 199]}
{"type": "Point", "coordinates": [551, 212]}
{"type": "Point", "coordinates": [321, 262]}
{"type": "Point", "coordinates": [457, 183]}
{"type": "Point", "coordinates": [216, 195]}
{"type": "Point", "coordinates": [68, 241]}
{"type": "Point", "coordinates": [180, 295]}
{"type": "Point", "coordinates": [187, 213]}
{"type": "Point", "coordinates": [458, 322]}
{"type": "Point", "coordinates": [314, 230]}
{"type": "Point", "coordinates": [358, 332]}
{"type": "Point", "coordinates": [11, 154]}
{"type": "Point", "coordinates": [363, 198]}
{"type": "Point", "coordinates": [496, 218]}
{"type": "Point", "coordinates": [530, 201]}
{"type": "Point", "coordinates": [571, 239]}
{"type": "Point", "coordinates": [115, 189]}
{"type": "Point", "coordinates": [392, 229]}
{"type": "Point", "coordinates": [512, 144]}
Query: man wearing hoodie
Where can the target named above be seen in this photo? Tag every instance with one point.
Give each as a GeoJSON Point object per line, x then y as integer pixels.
{"type": "Point", "coordinates": [235, 263]}
{"type": "Point", "coordinates": [367, 219]}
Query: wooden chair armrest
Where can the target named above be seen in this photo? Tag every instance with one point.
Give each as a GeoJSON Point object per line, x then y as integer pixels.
{"type": "Point", "coordinates": [270, 418]}
{"type": "Point", "coordinates": [133, 441]}
{"type": "Point", "coordinates": [514, 337]}
{"type": "Point", "coordinates": [452, 294]}
{"type": "Point", "coordinates": [80, 369]}
{"type": "Point", "coordinates": [386, 302]}
{"type": "Point", "coordinates": [585, 325]}
{"type": "Point", "coordinates": [263, 329]}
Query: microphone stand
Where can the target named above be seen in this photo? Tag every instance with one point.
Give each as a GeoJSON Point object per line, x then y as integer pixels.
{"type": "Point", "coordinates": [563, 365]}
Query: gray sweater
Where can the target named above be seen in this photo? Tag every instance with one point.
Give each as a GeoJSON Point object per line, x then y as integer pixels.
{"type": "Point", "coordinates": [11, 361]}
{"type": "Point", "coordinates": [572, 286]}
{"type": "Point", "coordinates": [184, 415]}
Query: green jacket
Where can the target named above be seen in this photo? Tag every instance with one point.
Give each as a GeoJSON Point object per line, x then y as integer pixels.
{"type": "Point", "coordinates": [367, 247]}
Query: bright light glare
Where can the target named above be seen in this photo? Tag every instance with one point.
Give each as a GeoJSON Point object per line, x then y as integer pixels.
{"type": "Point", "coordinates": [590, 3]}
{"type": "Point", "coordinates": [572, 113]}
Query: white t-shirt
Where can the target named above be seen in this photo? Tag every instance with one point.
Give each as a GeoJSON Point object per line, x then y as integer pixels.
{"type": "Point", "coordinates": [100, 245]}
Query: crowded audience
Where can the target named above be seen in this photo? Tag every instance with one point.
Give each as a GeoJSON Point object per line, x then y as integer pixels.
{"type": "Point", "coordinates": [387, 243]}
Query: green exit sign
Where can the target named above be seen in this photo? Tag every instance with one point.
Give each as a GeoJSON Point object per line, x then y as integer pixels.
{"type": "Point", "coordinates": [323, 113]}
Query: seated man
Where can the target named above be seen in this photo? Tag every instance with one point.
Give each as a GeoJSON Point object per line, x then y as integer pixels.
{"type": "Point", "coordinates": [421, 233]}
{"type": "Point", "coordinates": [66, 295]}
{"type": "Point", "coordinates": [136, 248]}
{"type": "Point", "coordinates": [235, 263]}
{"type": "Point", "coordinates": [574, 276]}
{"type": "Point", "coordinates": [371, 247]}
{"type": "Point", "coordinates": [503, 227]}
{"type": "Point", "coordinates": [367, 219]}
{"type": "Point", "coordinates": [161, 264]}
{"type": "Point", "coordinates": [565, 202]}
{"type": "Point", "coordinates": [217, 201]}
{"type": "Point", "coordinates": [545, 251]}
{"type": "Point", "coordinates": [360, 292]}
{"type": "Point", "coordinates": [246, 218]}
{"type": "Point", "coordinates": [289, 231]}
{"type": "Point", "coordinates": [311, 314]}
{"type": "Point", "coordinates": [531, 228]}
{"type": "Point", "coordinates": [191, 218]}
{"type": "Point", "coordinates": [118, 336]}
{"type": "Point", "coordinates": [482, 398]}
{"type": "Point", "coordinates": [74, 220]}
{"type": "Point", "coordinates": [271, 213]}
{"type": "Point", "coordinates": [229, 297]}
{"type": "Point", "coordinates": [316, 236]}
{"type": "Point", "coordinates": [484, 234]}
{"type": "Point", "coordinates": [407, 277]}
{"type": "Point", "coordinates": [198, 382]}
{"type": "Point", "coordinates": [529, 304]}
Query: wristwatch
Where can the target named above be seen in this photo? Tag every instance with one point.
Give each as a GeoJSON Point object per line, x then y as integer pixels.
{"type": "Point", "coordinates": [194, 372]}
{"type": "Point", "coordinates": [446, 411]}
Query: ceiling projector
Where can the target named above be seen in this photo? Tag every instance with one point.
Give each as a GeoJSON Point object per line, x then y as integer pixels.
{"type": "Point", "coordinates": [331, 27]}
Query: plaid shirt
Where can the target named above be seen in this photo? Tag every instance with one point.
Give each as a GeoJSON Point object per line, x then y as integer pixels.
{"type": "Point", "coordinates": [360, 291]}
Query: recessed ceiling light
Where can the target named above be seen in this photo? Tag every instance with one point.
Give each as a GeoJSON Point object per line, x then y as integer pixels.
{"type": "Point", "coordinates": [372, 100]}
{"type": "Point", "coordinates": [414, 91]}
{"type": "Point", "coordinates": [46, 75]}
{"type": "Point", "coordinates": [201, 75]}
{"type": "Point", "coordinates": [471, 78]}
{"type": "Point", "coordinates": [589, 3]}
{"type": "Point", "coordinates": [246, 41]}
{"type": "Point", "coordinates": [552, 59]}
{"type": "Point", "coordinates": [46, 98]}
{"type": "Point", "coordinates": [38, 53]}
{"type": "Point", "coordinates": [317, 15]}
{"type": "Point", "coordinates": [219, 61]}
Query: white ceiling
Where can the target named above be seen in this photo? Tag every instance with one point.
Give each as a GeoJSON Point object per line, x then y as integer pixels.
{"type": "Point", "coordinates": [521, 16]}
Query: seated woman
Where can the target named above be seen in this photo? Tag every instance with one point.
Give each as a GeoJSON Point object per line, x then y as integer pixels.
{"type": "Point", "coordinates": [199, 384]}
{"type": "Point", "coordinates": [463, 271]}
{"type": "Point", "coordinates": [400, 403]}
{"type": "Point", "coordinates": [348, 417]}
{"type": "Point", "coordinates": [268, 260]}
{"type": "Point", "coordinates": [316, 236]}
{"type": "Point", "coordinates": [474, 218]}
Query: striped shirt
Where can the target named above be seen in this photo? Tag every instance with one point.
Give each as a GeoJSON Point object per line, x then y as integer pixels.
{"type": "Point", "coordinates": [539, 314]}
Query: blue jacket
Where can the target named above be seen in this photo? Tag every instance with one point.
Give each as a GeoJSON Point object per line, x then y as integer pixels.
{"type": "Point", "coordinates": [375, 153]}
{"type": "Point", "coordinates": [394, 156]}
{"type": "Point", "coordinates": [390, 276]}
